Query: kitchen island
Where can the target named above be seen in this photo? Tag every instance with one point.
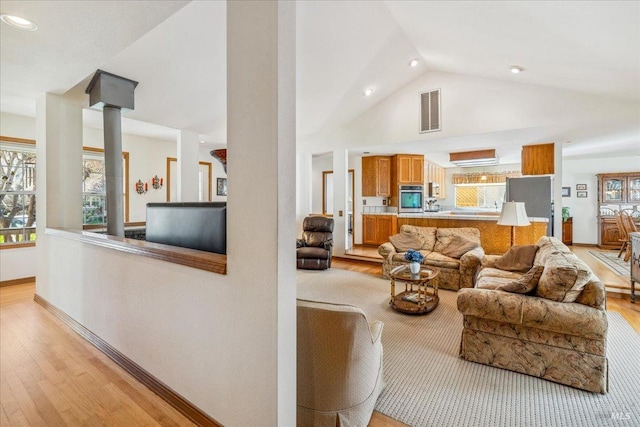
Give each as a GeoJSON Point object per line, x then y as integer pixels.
{"type": "Point", "coordinates": [495, 239]}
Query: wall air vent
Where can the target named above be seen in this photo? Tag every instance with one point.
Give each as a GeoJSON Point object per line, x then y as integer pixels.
{"type": "Point", "coordinates": [467, 159]}
{"type": "Point", "coordinates": [430, 111]}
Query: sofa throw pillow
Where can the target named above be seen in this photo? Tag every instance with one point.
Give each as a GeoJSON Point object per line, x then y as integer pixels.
{"type": "Point", "coordinates": [458, 246]}
{"type": "Point", "coordinates": [404, 241]}
{"type": "Point", "coordinates": [564, 277]}
{"type": "Point", "coordinates": [526, 283]}
{"type": "Point", "coordinates": [519, 258]}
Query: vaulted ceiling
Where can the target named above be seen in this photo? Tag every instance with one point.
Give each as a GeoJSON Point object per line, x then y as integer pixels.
{"type": "Point", "coordinates": [177, 51]}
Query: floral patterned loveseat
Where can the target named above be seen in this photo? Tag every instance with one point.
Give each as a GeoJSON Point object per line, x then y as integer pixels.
{"type": "Point", "coordinates": [557, 332]}
{"type": "Point", "coordinates": [458, 271]}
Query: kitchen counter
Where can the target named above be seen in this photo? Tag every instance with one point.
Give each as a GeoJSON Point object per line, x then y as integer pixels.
{"type": "Point", "coordinates": [495, 239]}
{"type": "Point", "coordinates": [452, 215]}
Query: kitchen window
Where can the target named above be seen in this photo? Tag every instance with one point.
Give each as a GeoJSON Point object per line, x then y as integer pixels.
{"type": "Point", "coordinates": [488, 196]}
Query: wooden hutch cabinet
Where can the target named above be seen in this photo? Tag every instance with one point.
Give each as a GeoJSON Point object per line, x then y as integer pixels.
{"type": "Point", "coordinates": [616, 191]}
{"type": "Point", "coordinates": [619, 188]}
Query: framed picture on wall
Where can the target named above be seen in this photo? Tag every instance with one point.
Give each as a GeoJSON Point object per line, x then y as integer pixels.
{"type": "Point", "coordinates": [581, 194]}
{"type": "Point", "coordinates": [581, 187]}
{"type": "Point", "coordinates": [566, 191]}
{"type": "Point", "coordinates": [221, 188]}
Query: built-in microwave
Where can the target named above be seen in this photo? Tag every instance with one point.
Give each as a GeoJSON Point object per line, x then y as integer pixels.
{"type": "Point", "coordinates": [410, 198]}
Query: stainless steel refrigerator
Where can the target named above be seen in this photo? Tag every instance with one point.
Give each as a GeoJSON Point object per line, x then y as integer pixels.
{"type": "Point", "coordinates": [537, 194]}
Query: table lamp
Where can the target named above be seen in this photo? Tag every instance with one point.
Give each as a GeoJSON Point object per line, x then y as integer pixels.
{"type": "Point", "coordinates": [513, 214]}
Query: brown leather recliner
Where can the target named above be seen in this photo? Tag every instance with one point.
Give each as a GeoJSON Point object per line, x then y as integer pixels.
{"type": "Point", "coordinates": [314, 249]}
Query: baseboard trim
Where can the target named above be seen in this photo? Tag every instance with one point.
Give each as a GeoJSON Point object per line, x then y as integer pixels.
{"type": "Point", "coordinates": [158, 387]}
{"type": "Point", "coordinates": [21, 281]}
{"type": "Point", "coordinates": [362, 258]}
{"type": "Point", "coordinates": [589, 245]}
{"type": "Point", "coordinates": [619, 295]}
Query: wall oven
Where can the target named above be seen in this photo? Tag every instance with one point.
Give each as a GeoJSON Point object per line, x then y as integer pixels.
{"type": "Point", "coordinates": [410, 198]}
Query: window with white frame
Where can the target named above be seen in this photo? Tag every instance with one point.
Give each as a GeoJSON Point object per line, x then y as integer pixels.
{"type": "Point", "coordinates": [480, 195]}
{"type": "Point", "coordinates": [17, 191]}
{"type": "Point", "coordinates": [94, 187]}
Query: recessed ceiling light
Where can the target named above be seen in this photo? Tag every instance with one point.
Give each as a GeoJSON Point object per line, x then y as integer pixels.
{"type": "Point", "coordinates": [413, 63]}
{"type": "Point", "coordinates": [202, 141]}
{"type": "Point", "coordinates": [17, 22]}
{"type": "Point", "coordinates": [515, 69]}
{"type": "Point", "coordinates": [368, 91]}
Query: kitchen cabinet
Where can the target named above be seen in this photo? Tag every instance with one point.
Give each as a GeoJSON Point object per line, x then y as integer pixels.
{"type": "Point", "coordinates": [538, 159]}
{"type": "Point", "coordinates": [567, 231]}
{"type": "Point", "coordinates": [376, 229]}
{"type": "Point", "coordinates": [408, 169]}
{"type": "Point", "coordinates": [376, 176]}
{"type": "Point", "coordinates": [435, 175]}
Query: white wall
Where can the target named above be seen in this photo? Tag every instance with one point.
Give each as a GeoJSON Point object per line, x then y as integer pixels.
{"type": "Point", "coordinates": [585, 210]}
{"type": "Point", "coordinates": [319, 164]}
{"type": "Point", "coordinates": [17, 126]}
{"type": "Point", "coordinates": [139, 305]}
{"type": "Point", "coordinates": [17, 263]}
{"type": "Point", "coordinates": [470, 106]}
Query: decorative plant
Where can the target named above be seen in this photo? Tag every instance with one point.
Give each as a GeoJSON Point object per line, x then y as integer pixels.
{"type": "Point", "coordinates": [565, 214]}
{"type": "Point", "coordinates": [413, 256]}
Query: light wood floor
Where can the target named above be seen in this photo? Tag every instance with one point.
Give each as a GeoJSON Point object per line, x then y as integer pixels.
{"type": "Point", "coordinates": [49, 375]}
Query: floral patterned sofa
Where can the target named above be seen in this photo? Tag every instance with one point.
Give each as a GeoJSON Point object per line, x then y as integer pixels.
{"type": "Point", "coordinates": [439, 246]}
{"type": "Point", "coordinates": [558, 331]}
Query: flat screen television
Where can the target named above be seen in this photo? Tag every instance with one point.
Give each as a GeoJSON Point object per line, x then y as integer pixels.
{"type": "Point", "coordinates": [201, 226]}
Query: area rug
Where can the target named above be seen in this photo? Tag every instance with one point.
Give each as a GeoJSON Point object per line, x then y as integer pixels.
{"type": "Point", "coordinates": [611, 260]}
{"type": "Point", "coordinates": [427, 384]}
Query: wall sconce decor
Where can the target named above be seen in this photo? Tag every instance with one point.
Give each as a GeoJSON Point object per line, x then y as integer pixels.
{"type": "Point", "coordinates": [221, 156]}
{"type": "Point", "coordinates": [156, 182]}
{"type": "Point", "coordinates": [141, 187]}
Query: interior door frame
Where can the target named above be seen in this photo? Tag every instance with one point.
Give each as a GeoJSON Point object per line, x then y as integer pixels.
{"type": "Point", "coordinates": [174, 159]}
{"type": "Point", "coordinates": [351, 172]}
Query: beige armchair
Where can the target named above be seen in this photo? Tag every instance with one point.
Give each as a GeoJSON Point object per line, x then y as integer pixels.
{"type": "Point", "coordinates": [339, 365]}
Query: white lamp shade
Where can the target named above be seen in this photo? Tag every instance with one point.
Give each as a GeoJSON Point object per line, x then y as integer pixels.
{"type": "Point", "coordinates": [513, 213]}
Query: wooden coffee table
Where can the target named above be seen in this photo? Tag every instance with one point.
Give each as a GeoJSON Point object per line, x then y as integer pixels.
{"type": "Point", "coordinates": [416, 297]}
